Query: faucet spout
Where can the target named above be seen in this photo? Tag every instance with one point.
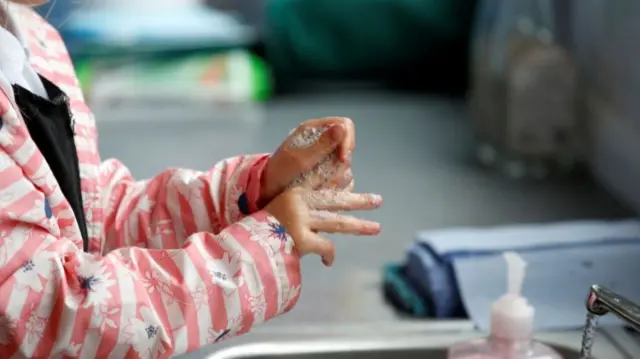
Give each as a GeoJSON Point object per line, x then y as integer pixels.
{"type": "Point", "coordinates": [602, 301]}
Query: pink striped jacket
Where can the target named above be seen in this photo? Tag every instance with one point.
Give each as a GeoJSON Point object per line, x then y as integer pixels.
{"type": "Point", "coordinates": [174, 262]}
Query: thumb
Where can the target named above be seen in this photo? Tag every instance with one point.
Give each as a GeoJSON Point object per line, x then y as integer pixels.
{"type": "Point", "coordinates": [302, 153]}
{"type": "Point", "coordinates": [325, 145]}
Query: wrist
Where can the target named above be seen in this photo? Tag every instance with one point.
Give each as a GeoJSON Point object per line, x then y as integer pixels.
{"type": "Point", "coordinates": [267, 192]}
{"type": "Point", "coordinates": [254, 186]}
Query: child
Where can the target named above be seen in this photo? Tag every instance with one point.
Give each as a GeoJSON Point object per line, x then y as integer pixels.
{"type": "Point", "coordinates": [96, 264]}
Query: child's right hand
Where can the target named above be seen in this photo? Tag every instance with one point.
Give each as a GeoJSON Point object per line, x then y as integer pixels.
{"type": "Point", "coordinates": [304, 213]}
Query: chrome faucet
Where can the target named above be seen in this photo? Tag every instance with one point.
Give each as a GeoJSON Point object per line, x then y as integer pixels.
{"type": "Point", "coordinates": [602, 301]}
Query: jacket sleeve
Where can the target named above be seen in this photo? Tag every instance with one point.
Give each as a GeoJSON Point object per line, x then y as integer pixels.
{"type": "Point", "coordinates": [58, 301]}
{"type": "Point", "coordinates": [165, 210]}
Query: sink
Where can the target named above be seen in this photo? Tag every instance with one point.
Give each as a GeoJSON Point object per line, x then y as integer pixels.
{"type": "Point", "coordinates": [392, 342]}
{"type": "Point", "coordinates": [350, 350]}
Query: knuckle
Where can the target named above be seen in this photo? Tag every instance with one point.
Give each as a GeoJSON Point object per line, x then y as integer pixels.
{"type": "Point", "coordinates": [297, 192]}
{"type": "Point", "coordinates": [307, 196]}
{"type": "Point", "coordinates": [292, 196]}
{"type": "Point", "coordinates": [305, 124]}
{"type": "Point", "coordinates": [313, 181]}
{"type": "Point", "coordinates": [300, 162]}
{"type": "Point", "coordinates": [337, 119]}
{"type": "Point", "coordinates": [312, 198]}
{"type": "Point", "coordinates": [341, 223]}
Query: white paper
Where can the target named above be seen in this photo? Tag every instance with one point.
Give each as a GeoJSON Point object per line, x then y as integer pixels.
{"type": "Point", "coordinates": [530, 235]}
{"type": "Point", "coordinates": [556, 284]}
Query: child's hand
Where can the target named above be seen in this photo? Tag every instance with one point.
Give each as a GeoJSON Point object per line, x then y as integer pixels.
{"type": "Point", "coordinates": [302, 151]}
{"type": "Point", "coordinates": [305, 213]}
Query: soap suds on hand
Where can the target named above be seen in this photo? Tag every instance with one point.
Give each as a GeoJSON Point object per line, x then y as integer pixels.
{"type": "Point", "coordinates": [308, 137]}
{"type": "Point", "coordinates": [338, 200]}
{"type": "Point", "coordinates": [326, 170]}
{"type": "Point", "coordinates": [329, 205]}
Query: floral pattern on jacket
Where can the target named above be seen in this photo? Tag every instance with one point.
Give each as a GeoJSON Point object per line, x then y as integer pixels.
{"type": "Point", "coordinates": [173, 263]}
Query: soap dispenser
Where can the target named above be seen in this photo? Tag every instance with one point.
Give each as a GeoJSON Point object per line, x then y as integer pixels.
{"type": "Point", "coordinates": [511, 333]}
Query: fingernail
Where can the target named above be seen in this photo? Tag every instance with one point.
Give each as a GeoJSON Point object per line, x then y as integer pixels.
{"type": "Point", "coordinates": [337, 132]}
{"type": "Point", "coordinates": [376, 199]}
{"type": "Point", "coordinates": [371, 228]}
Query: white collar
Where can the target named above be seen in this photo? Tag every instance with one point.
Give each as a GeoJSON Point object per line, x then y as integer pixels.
{"type": "Point", "coordinates": [20, 34]}
{"type": "Point", "coordinates": [9, 18]}
{"type": "Point", "coordinates": [14, 53]}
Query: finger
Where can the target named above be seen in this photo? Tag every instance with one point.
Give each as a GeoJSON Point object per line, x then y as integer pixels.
{"type": "Point", "coordinates": [314, 163]}
{"type": "Point", "coordinates": [346, 179]}
{"type": "Point", "coordinates": [351, 186]}
{"type": "Point", "coordinates": [307, 136]}
{"type": "Point", "coordinates": [337, 200]}
{"type": "Point", "coordinates": [330, 222]}
{"type": "Point", "coordinates": [325, 121]}
{"type": "Point", "coordinates": [319, 177]}
{"type": "Point", "coordinates": [326, 174]}
{"type": "Point", "coordinates": [327, 142]}
{"type": "Point", "coordinates": [340, 179]}
{"type": "Point", "coordinates": [295, 166]}
{"type": "Point", "coordinates": [314, 243]}
{"type": "Point", "coordinates": [348, 144]}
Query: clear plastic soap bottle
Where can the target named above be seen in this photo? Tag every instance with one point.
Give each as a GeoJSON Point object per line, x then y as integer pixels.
{"type": "Point", "coordinates": [523, 90]}
{"type": "Point", "coordinates": [511, 325]}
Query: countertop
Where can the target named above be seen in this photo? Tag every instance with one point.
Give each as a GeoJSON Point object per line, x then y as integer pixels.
{"type": "Point", "coordinates": [412, 149]}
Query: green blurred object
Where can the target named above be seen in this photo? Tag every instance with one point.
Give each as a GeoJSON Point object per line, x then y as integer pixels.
{"type": "Point", "coordinates": [84, 71]}
{"type": "Point", "coordinates": [234, 76]}
{"type": "Point", "coordinates": [361, 37]}
{"type": "Point", "coordinates": [261, 79]}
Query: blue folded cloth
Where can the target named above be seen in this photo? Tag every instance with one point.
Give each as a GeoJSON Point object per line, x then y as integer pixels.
{"type": "Point", "coordinates": [432, 277]}
{"type": "Point", "coordinates": [461, 270]}
{"type": "Point", "coordinates": [401, 295]}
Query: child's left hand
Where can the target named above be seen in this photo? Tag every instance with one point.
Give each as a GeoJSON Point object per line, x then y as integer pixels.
{"type": "Point", "coordinates": [295, 157]}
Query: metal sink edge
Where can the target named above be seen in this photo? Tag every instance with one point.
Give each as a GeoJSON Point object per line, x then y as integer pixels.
{"type": "Point", "coordinates": [406, 336]}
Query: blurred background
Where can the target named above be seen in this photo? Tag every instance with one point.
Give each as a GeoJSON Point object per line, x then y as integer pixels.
{"type": "Point", "coordinates": [468, 113]}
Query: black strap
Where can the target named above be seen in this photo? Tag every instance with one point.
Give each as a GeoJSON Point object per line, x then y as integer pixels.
{"type": "Point", "coordinates": [50, 125]}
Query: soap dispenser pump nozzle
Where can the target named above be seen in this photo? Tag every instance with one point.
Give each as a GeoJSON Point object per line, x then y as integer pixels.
{"type": "Point", "coordinates": [511, 315]}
